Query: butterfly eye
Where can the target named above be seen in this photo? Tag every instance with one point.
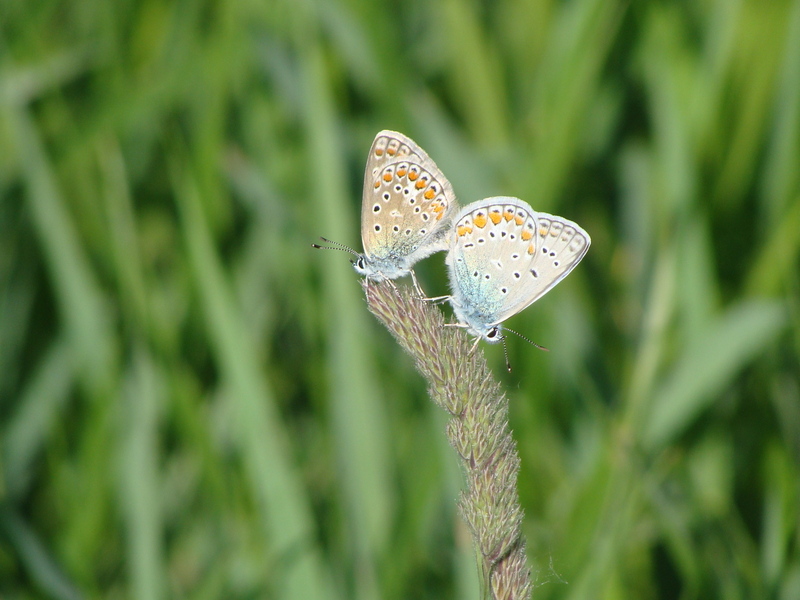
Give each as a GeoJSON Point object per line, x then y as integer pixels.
{"type": "Point", "coordinates": [493, 333]}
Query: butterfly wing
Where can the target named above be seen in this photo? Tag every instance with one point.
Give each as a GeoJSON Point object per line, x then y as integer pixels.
{"type": "Point", "coordinates": [407, 205]}
{"type": "Point", "coordinates": [504, 256]}
{"type": "Point", "coordinates": [560, 245]}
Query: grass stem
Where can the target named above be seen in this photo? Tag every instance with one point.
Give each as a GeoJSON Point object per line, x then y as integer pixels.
{"type": "Point", "coordinates": [459, 381]}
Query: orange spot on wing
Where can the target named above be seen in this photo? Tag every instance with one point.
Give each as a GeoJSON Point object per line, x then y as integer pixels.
{"type": "Point", "coordinates": [401, 172]}
{"type": "Point", "coordinates": [526, 235]}
{"type": "Point", "coordinates": [378, 151]}
{"type": "Point", "coordinates": [542, 231]}
{"type": "Point", "coordinates": [412, 175]}
{"type": "Point", "coordinates": [463, 230]}
{"type": "Point", "coordinates": [495, 217]}
{"type": "Point", "coordinates": [480, 221]}
{"type": "Point", "coordinates": [377, 184]}
{"type": "Point", "coordinates": [439, 216]}
{"type": "Point", "coordinates": [437, 208]}
{"type": "Point", "coordinates": [420, 184]}
{"type": "Point", "coordinates": [387, 176]}
{"type": "Point", "coordinates": [391, 151]}
{"type": "Point", "coordinates": [429, 194]}
{"type": "Point", "coordinates": [531, 249]}
{"type": "Point", "coordinates": [508, 215]}
{"type": "Point", "coordinates": [519, 220]}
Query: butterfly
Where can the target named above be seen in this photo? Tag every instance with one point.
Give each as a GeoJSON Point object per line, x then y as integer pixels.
{"type": "Point", "coordinates": [406, 209]}
{"type": "Point", "coordinates": [503, 257]}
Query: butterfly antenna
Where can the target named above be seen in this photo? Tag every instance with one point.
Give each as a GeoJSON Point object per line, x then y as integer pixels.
{"type": "Point", "coordinates": [334, 246]}
{"type": "Point", "coordinates": [531, 342]}
{"type": "Point", "coordinates": [505, 352]}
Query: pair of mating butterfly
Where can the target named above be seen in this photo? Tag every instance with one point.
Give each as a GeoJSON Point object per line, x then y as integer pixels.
{"type": "Point", "coordinates": [503, 255]}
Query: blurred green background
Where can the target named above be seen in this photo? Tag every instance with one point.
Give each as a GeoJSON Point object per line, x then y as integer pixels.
{"type": "Point", "coordinates": [196, 404]}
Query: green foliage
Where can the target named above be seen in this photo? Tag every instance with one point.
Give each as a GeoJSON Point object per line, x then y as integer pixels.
{"type": "Point", "coordinates": [194, 403]}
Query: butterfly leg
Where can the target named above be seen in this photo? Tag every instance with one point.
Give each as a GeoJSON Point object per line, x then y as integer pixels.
{"type": "Point", "coordinates": [440, 300]}
{"type": "Point", "coordinates": [417, 287]}
{"type": "Point", "coordinates": [474, 346]}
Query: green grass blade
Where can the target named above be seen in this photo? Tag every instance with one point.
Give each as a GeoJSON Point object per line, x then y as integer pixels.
{"type": "Point", "coordinates": [282, 503]}
{"type": "Point", "coordinates": [705, 367]}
